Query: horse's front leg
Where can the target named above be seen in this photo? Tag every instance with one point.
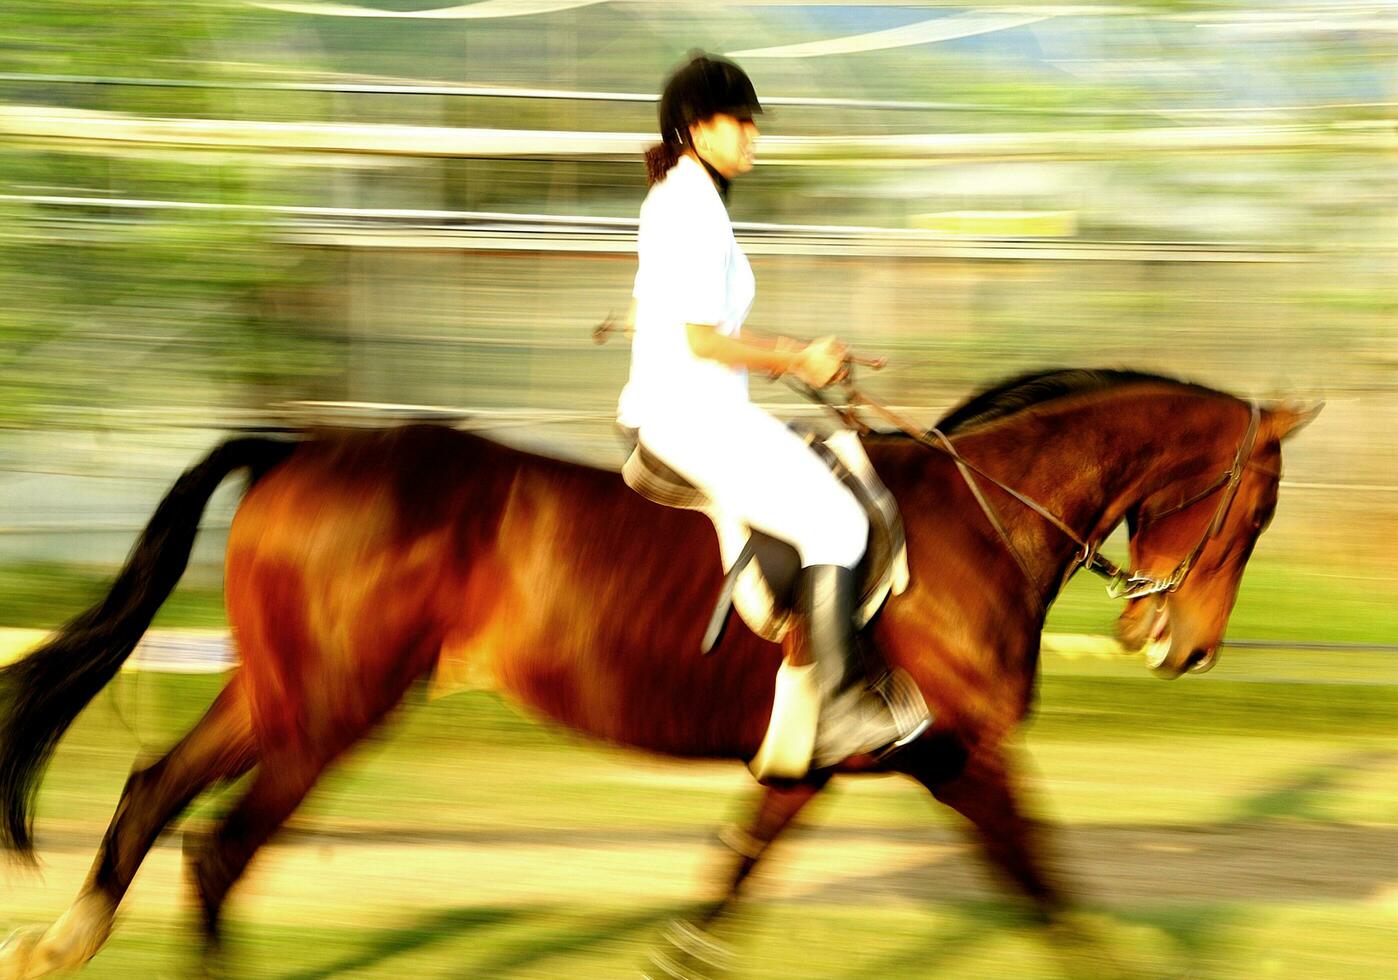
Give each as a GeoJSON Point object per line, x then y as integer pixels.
{"type": "Point", "coordinates": [984, 793]}
{"type": "Point", "coordinates": [776, 809]}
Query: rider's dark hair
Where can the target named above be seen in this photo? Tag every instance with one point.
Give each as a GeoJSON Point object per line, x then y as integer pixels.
{"type": "Point", "coordinates": [660, 158]}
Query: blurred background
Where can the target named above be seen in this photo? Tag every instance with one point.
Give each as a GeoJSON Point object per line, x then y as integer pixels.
{"type": "Point", "coordinates": [222, 214]}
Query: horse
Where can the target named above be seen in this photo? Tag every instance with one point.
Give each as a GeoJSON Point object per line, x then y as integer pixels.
{"type": "Point", "coordinates": [357, 560]}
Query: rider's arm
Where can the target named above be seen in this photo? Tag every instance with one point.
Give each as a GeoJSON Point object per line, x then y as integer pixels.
{"type": "Point", "coordinates": [776, 356]}
{"type": "Point", "coordinates": [816, 363]}
{"type": "Point", "coordinates": [630, 325]}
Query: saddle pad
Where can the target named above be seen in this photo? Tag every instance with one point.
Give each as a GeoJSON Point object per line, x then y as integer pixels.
{"type": "Point", "coordinates": [883, 569]}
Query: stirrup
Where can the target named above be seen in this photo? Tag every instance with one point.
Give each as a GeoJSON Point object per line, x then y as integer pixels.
{"type": "Point", "coordinates": [911, 716]}
{"type": "Point", "coordinates": [876, 720]}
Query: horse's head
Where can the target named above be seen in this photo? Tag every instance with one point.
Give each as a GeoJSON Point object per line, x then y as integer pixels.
{"type": "Point", "coordinates": [1218, 524]}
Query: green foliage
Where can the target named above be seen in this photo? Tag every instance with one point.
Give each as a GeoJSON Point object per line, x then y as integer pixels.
{"type": "Point", "coordinates": [172, 308]}
{"type": "Point", "coordinates": [118, 306]}
{"type": "Point", "coordinates": [93, 37]}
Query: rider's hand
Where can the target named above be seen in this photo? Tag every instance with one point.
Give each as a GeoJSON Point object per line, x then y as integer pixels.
{"type": "Point", "coordinates": [821, 362]}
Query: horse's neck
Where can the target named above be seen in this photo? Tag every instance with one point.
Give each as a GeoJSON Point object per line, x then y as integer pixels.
{"type": "Point", "coordinates": [1143, 444]}
{"type": "Point", "coordinates": [1088, 464]}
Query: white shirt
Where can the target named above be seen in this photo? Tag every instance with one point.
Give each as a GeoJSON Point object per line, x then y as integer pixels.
{"type": "Point", "coordinates": [691, 271]}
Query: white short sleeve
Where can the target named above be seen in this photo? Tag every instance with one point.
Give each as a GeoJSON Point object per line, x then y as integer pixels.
{"type": "Point", "coordinates": [684, 254]}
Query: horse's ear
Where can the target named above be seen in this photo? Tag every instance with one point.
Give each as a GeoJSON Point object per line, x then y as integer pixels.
{"type": "Point", "coordinates": [1288, 418]}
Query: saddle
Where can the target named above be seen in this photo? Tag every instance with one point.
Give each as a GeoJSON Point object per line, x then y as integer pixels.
{"type": "Point", "coordinates": [761, 570]}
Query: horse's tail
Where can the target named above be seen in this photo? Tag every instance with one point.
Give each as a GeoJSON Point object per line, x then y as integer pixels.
{"type": "Point", "coordinates": [41, 694]}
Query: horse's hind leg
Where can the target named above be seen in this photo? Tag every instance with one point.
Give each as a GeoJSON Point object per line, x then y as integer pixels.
{"type": "Point", "coordinates": [218, 860]}
{"type": "Point", "coordinates": [287, 769]}
{"type": "Point", "coordinates": [219, 747]}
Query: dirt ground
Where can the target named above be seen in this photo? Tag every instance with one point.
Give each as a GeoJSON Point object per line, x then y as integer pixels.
{"type": "Point", "coordinates": [367, 873]}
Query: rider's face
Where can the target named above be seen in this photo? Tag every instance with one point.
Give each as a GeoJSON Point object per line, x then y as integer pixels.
{"type": "Point", "coordinates": [726, 143]}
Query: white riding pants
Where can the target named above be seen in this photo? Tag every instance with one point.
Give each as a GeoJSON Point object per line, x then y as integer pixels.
{"type": "Point", "coordinates": [760, 472]}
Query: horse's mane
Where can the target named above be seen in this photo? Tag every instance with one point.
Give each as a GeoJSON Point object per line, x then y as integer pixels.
{"type": "Point", "coordinates": [1016, 394]}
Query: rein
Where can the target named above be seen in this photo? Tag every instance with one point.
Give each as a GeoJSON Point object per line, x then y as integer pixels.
{"type": "Point", "coordinates": [1120, 584]}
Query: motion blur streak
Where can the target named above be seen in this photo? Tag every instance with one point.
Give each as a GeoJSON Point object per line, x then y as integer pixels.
{"type": "Point", "coordinates": [225, 215]}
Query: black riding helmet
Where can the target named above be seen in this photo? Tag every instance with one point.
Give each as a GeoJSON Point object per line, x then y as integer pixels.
{"type": "Point", "coordinates": [702, 88]}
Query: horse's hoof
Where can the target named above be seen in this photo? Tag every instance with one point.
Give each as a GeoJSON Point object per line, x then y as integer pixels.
{"type": "Point", "coordinates": [690, 953]}
{"type": "Point", "coordinates": [66, 945]}
{"type": "Point", "coordinates": [75, 938]}
{"type": "Point", "coordinates": [16, 952]}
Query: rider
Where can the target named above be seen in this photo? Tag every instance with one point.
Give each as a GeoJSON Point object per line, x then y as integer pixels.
{"type": "Point", "coordinates": [687, 395]}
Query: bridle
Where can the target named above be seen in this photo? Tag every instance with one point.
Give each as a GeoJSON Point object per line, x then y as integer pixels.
{"type": "Point", "coordinates": [1228, 482]}
{"type": "Point", "coordinates": [1120, 584]}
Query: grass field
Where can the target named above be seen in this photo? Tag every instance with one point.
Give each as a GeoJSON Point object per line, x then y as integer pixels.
{"type": "Point", "coordinates": [1239, 825]}
{"type": "Point", "coordinates": [1227, 826]}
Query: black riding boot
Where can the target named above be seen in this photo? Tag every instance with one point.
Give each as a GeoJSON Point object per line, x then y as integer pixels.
{"type": "Point", "coordinates": [865, 706]}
